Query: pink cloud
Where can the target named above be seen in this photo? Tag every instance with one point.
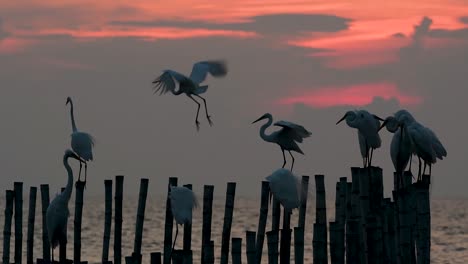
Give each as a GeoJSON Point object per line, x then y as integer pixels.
{"type": "Point", "coordinates": [353, 95]}
{"type": "Point", "coordinates": [13, 45]}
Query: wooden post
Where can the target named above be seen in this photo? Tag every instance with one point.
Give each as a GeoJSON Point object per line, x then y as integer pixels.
{"type": "Point", "coordinates": [209, 252]}
{"type": "Point", "coordinates": [424, 220]}
{"type": "Point", "coordinates": [352, 241]}
{"type": "Point", "coordinates": [298, 245]}
{"type": "Point", "coordinates": [319, 241]}
{"type": "Point", "coordinates": [31, 219]}
{"type": "Point", "coordinates": [45, 238]}
{"type": "Point", "coordinates": [333, 227]}
{"type": "Point", "coordinates": [250, 244]}
{"type": "Point", "coordinates": [7, 227]}
{"type": "Point", "coordinates": [107, 220]}
{"type": "Point", "coordinates": [207, 214]}
{"type": "Point", "coordinates": [373, 240]}
{"type": "Point", "coordinates": [168, 224]}
{"type": "Point", "coordinates": [402, 198]}
{"type": "Point", "coordinates": [262, 220]}
{"type": "Point", "coordinates": [364, 186]}
{"type": "Point", "coordinates": [340, 219]}
{"type": "Point", "coordinates": [140, 220]}
{"type": "Point", "coordinates": [63, 245]}
{"type": "Point", "coordinates": [285, 242]}
{"type": "Point", "coordinates": [155, 257]}
{"type": "Point", "coordinates": [177, 256]}
{"type": "Point", "coordinates": [77, 223]}
{"type": "Point", "coordinates": [187, 245]}
{"type": "Point", "coordinates": [228, 212]}
{"type": "Point", "coordinates": [303, 206]}
{"type": "Point", "coordinates": [236, 251]}
{"type": "Point", "coordinates": [118, 219]}
{"type": "Point", "coordinates": [272, 239]}
{"type": "Point", "coordinates": [18, 188]}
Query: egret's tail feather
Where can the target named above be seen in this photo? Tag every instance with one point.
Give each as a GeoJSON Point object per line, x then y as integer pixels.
{"type": "Point", "coordinates": [201, 89]}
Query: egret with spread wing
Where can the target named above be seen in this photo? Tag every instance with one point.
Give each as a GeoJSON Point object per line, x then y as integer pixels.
{"type": "Point", "coordinates": [167, 82]}
{"type": "Point", "coordinates": [57, 213]}
{"type": "Point", "coordinates": [286, 137]}
{"type": "Point", "coordinates": [367, 126]}
{"type": "Point", "coordinates": [82, 143]}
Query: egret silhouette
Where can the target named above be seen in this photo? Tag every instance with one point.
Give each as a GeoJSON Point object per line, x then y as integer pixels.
{"type": "Point", "coordinates": [82, 143]}
{"type": "Point", "coordinates": [285, 188]}
{"type": "Point", "coordinates": [367, 125]}
{"type": "Point", "coordinates": [57, 213]}
{"type": "Point", "coordinates": [183, 201]}
{"type": "Point", "coordinates": [166, 82]}
{"type": "Point", "coordinates": [286, 137]}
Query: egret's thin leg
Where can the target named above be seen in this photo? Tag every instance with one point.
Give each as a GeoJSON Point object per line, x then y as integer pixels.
{"type": "Point", "coordinates": [79, 174]}
{"type": "Point", "coordinates": [364, 161]}
{"type": "Point", "coordinates": [367, 155]}
{"type": "Point", "coordinates": [85, 172]}
{"type": "Point", "coordinates": [424, 171]}
{"type": "Point", "coordinates": [419, 171]}
{"type": "Point", "coordinates": [198, 110]}
{"type": "Point", "coordinates": [371, 154]}
{"type": "Point", "coordinates": [430, 169]}
{"type": "Point", "coordinates": [206, 110]}
{"type": "Point", "coordinates": [284, 158]}
{"type": "Point", "coordinates": [292, 159]}
{"type": "Point", "coordinates": [173, 245]}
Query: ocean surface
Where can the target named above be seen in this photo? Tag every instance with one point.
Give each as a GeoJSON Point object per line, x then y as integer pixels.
{"type": "Point", "coordinates": [449, 228]}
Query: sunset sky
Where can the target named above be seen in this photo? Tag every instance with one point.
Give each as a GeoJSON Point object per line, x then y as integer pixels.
{"type": "Point", "coordinates": [303, 61]}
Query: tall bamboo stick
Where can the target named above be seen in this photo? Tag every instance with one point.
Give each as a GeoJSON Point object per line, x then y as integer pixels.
{"type": "Point", "coordinates": [168, 224]}
{"type": "Point", "coordinates": [319, 242]}
{"type": "Point", "coordinates": [187, 245]}
{"type": "Point", "coordinates": [272, 239]}
{"type": "Point", "coordinates": [7, 227]}
{"type": "Point", "coordinates": [262, 220]}
{"type": "Point", "coordinates": [140, 220]}
{"type": "Point", "coordinates": [118, 219]}
{"type": "Point", "coordinates": [250, 244]}
{"type": "Point", "coordinates": [236, 251]}
{"type": "Point", "coordinates": [298, 245]}
{"type": "Point", "coordinates": [31, 219]}
{"type": "Point", "coordinates": [18, 188]}
{"type": "Point", "coordinates": [107, 221]}
{"type": "Point", "coordinates": [155, 258]}
{"type": "Point", "coordinates": [45, 238]}
{"type": "Point", "coordinates": [206, 227]}
{"type": "Point", "coordinates": [77, 223]}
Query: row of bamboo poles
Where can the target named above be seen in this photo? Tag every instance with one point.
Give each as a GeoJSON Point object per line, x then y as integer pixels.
{"type": "Point", "coordinates": [368, 228]}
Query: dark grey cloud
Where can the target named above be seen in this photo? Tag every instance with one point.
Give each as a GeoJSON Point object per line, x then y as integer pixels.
{"type": "Point", "coordinates": [464, 19]}
{"type": "Point", "coordinates": [267, 24]}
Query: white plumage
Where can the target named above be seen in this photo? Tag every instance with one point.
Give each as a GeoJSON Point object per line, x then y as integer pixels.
{"type": "Point", "coordinates": [57, 213]}
{"type": "Point", "coordinates": [285, 187]}
{"type": "Point", "coordinates": [169, 80]}
{"type": "Point", "coordinates": [82, 143]}
{"type": "Point", "coordinates": [287, 137]}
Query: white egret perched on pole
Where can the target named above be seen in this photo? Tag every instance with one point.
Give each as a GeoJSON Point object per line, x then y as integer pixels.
{"type": "Point", "coordinates": [183, 201]}
{"type": "Point", "coordinates": [286, 137]}
{"type": "Point", "coordinates": [57, 213]}
{"type": "Point", "coordinates": [285, 188]}
{"type": "Point", "coordinates": [81, 142]}
{"type": "Point", "coordinates": [190, 86]}
{"type": "Point", "coordinates": [367, 125]}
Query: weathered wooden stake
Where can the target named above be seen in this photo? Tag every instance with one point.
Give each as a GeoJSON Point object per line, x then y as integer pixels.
{"type": "Point", "coordinates": [206, 228]}
{"type": "Point", "coordinates": [155, 257]}
{"type": "Point", "coordinates": [402, 198]}
{"type": "Point", "coordinates": [333, 229]}
{"type": "Point", "coordinates": [303, 206]}
{"type": "Point", "coordinates": [298, 245]}
{"type": "Point", "coordinates": [18, 188]}
{"type": "Point", "coordinates": [107, 220]}
{"type": "Point", "coordinates": [31, 218]}
{"type": "Point", "coordinates": [209, 252]}
{"type": "Point", "coordinates": [352, 241]}
{"type": "Point", "coordinates": [285, 242]}
{"type": "Point", "coordinates": [319, 241]}
{"type": "Point", "coordinates": [77, 223]}
{"type": "Point", "coordinates": [118, 219]}
{"type": "Point", "coordinates": [250, 245]}
{"type": "Point", "coordinates": [262, 220]}
{"type": "Point", "coordinates": [7, 227]}
{"type": "Point", "coordinates": [168, 224]}
{"type": "Point", "coordinates": [228, 212]}
{"type": "Point", "coordinates": [424, 221]}
{"type": "Point", "coordinates": [374, 240]}
{"type": "Point", "coordinates": [63, 245]}
{"type": "Point", "coordinates": [272, 239]}
{"type": "Point", "coordinates": [275, 215]}
{"type": "Point", "coordinates": [340, 219]}
{"type": "Point", "coordinates": [187, 244]}
{"type": "Point", "coordinates": [136, 255]}
{"type": "Point", "coordinates": [45, 237]}
{"type": "Point", "coordinates": [236, 251]}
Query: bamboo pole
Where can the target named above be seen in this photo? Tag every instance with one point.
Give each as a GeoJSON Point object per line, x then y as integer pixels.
{"type": "Point", "coordinates": [236, 252]}
{"type": "Point", "coordinates": [107, 220]}
{"type": "Point", "coordinates": [209, 252]}
{"type": "Point", "coordinates": [168, 223]}
{"type": "Point", "coordinates": [356, 211]}
{"type": "Point", "coordinates": [373, 240]}
{"type": "Point", "coordinates": [155, 257]}
{"type": "Point", "coordinates": [250, 244]}
{"type": "Point", "coordinates": [424, 221]}
{"type": "Point", "coordinates": [364, 204]}
{"type": "Point", "coordinates": [272, 239]}
{"type": "Point", "coordinates": [10, 196]}
{"type": "Point", "coordinates": [140, 220]}
{"type": "Point", "coordinates": [262, 220]}
{"type": "Point", "coordinates": [63, 245]}
{"type": "Point", "coordinates": [352, 239]}
{"type": "Point", "coordinates": [228, 212]}
{"type": "Point", "coordinates": [303, 206]}
{"type": "Point", "coordinates": [285, 242]}
{"type": "Point", "coordinates": [45, 238]}
{"type": "Point", "coordinates": [341, 220]}
{"type": "Point", "coordinates": [333, 227]}
{"type": "Point", "coordinates": [18, 188]}
{"type": "Point", "coordinates": [319, 241]}
{"type": "Point", "coordinates": [31, 219]}
{"type": "Point", "coordinates": [404, 225]}
{"type": "Point", "coordinates": [207, 215]}
{"type": "Point", "coordinates": [275, 215]}
{"type": "Point", "coordinates": [298, 245]}
{"type": "Point", "coordinates": [187, 245]}
{"type": "Point", "coordinates": [77, 223]}
{"type": "Point", "coordinates": [118, 219]}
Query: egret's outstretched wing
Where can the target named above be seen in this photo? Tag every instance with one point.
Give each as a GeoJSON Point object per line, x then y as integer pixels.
{"type": "Point", "coordinates": [202, 68]}
{"type": "Point", "coordinates": [82, 144]}
{"type": "Point", "coordinates": [298, 132]}
{"type": "Point", "coordinates": [422, 142]}
{"type": "Point", "coordinates": [440, 150]}
{"type": "Point", "coordinates": [166, 82]}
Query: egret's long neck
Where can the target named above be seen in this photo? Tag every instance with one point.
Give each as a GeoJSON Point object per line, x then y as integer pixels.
{"type": "Point", "coordinates": [72, 117]}
{"type": "Point", "coordinates": [68, 189]}
{"type": "Point", "coordinates": [263, 135]}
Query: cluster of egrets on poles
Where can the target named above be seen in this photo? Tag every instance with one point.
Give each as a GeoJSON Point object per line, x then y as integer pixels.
{"type": "Point", "coordinates": [410, 138]}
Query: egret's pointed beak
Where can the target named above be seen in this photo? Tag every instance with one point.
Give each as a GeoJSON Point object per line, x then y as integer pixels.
{"type": "Point", "coordinates": [257, 120]}
{"type": "Point", "coordinates": [378, 118]}
{"type": "Point", "coordinates": [383, 124]}
{"type": "Point", "coordinates": [68, 101]}
{"type": "Point", "coordinates": [339, 121]}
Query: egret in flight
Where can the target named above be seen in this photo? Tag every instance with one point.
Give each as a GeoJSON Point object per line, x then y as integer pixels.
{"type": "Point", "coordinates": [286, 137]}
{"type": "Point", "coordinates": [183, 201]}
{"type": "Point", "coordinates": [168, 81]}
{"type": "Point", "coordinates": [82, 143]}
{"type": "Point", "coordinates": [57, 213]}
{"type": "Point", "coordinates": [368, 126]}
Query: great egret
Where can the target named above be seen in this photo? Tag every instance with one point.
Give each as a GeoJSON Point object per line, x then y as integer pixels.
{"type": "Point", "coordinates": [57, 212]}
{"type": "Point", "coordinates": [82, 143]}
{"type": "Point", "coordinates": [166, 82]}
{"type": "Point", "coordinates": [285, 187]}
{"type": "Point", "coordinates": [401, 148]}
{"type": "Point", "coordinates": [183, 201]}
{"type": "Point", "coordinates": [286, 137]}
{"type": "Point", "coordinates": [367, 126]}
